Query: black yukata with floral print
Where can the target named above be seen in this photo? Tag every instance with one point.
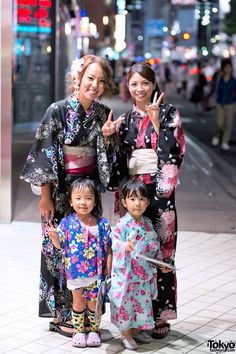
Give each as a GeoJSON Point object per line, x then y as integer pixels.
{"type": "Point", "coordinates": [64, 123]}
{"type": "Point", "coordinates": [137, 132]}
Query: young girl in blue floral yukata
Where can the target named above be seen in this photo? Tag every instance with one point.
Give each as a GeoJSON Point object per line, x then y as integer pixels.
{"type": "Point", "coordinates": [84, 240]}
{"type": "Point", "coordinates": [133, 284]}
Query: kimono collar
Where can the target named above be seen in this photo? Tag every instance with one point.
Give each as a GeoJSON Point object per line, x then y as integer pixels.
{"type": "Point", "coordinates": [129, 218]}
{"type": "Point", "coordinates": [77, 106]}
{"type": "Point", "coordinates": [136, 110]}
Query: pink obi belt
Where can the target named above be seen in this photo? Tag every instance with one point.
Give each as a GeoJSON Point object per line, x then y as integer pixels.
{"type": "Point", "coordinates": [79, 160]}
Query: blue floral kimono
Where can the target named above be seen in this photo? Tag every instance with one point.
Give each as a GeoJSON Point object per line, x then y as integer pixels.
{"type": "Point", "coordinates": [81, 260]}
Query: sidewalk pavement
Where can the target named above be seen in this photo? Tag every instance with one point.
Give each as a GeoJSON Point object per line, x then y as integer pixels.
{"type": "Point", "coordinates": [206, 298]}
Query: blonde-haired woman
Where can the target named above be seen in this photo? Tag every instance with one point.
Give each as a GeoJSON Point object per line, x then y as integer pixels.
{"type": "Point", "coordinates": [69, 142]}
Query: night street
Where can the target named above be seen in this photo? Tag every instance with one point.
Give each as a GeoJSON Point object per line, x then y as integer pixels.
{"type": "Point", "coordinates": [207, 194]}
{"type": "Point", "coordinates": [73, 281]}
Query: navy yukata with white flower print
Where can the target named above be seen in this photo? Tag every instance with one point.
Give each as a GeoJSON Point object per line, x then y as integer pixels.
{"type": "Point", "coordinates": [64, 123]}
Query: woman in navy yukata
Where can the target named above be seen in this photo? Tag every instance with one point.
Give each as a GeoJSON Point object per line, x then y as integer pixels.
{"type": "Point", "coordinates": [151, 148]}
{"type": "Point", "coordinates": [69, 142]}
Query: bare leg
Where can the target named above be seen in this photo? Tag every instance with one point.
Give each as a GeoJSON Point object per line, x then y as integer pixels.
{"type": "Point", "coordinates": [128, 333]}
{"type": "Point", "coordinates": [127, 340]}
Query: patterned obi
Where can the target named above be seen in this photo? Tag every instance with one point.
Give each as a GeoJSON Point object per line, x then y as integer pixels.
{"type": "Point", "coordinates": [79, 160]}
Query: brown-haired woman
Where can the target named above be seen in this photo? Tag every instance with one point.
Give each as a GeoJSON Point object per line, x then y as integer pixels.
{"type": "Point", "coordinates": [69, 142]}
{"type": "Point", "coordinates": [152, 147]}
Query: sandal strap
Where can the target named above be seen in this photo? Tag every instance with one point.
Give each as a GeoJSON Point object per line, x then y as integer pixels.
{"type": "Point", "coordinates": [162, 325]}
{"type": "Point", "coordinates": [65, 324]}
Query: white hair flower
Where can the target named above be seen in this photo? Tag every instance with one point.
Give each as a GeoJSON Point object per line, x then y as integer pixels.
{"type": "Point", "coordinates": [76, 66]}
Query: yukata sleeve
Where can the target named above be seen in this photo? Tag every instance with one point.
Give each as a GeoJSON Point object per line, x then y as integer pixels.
{"type": "Point", "coordinates": [106, 234]}
{"type": "Point", "coordinates": [41, 166]}
{"type": "Point", "coordinates": [121, 259]}
{"type": "Point", "coordinates": [62, 230]}
{"type": "Point", "coordinates": [171, 150]}
{"type": "Point", "coordinates": [119, 171]}
{"type": "Point", "coordinates": [63, 233]}
{"type": "Point", "coordinates": [105, 151]}
{"type": "Point", "coordinates": [154, 246]}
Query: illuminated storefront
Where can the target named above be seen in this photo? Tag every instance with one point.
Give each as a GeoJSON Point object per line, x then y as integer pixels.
{"type": "Point", "coordinates": [33, 83]}
{"type": "Point", "coordinates": [35, 52]}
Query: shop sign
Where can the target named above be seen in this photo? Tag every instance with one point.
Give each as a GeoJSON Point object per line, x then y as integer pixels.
{"type": "Point", "coordinates": [34, 16]}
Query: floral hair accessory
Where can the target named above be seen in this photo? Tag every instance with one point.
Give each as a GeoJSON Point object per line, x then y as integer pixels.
{"type": "Point", "coordinates": [77, 66]}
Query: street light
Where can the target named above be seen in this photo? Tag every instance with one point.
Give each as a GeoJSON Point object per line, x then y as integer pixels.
{"type": "Point", "coordinates": [186, 36]}
{"type": "Point", "coordinates": [119, 33]}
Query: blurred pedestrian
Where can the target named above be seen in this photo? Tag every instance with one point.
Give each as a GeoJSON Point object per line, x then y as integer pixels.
{"type": "Point", "coordinates": [224, 88]}
{"type": "Point", "coordinates": [197, 94]}
{"type": "Point", "coordinates": [178, 78]}
{"type": "Point", "coordinates": [69, 142]}
{"type": "Point", "coordinates": [123, 88]}
{"type": "Point", "coordinates": [184, 76]}
{"type": "Point", "coordinates": [151, 148]}
{"type": "Point", "coordinates": [167, 79]}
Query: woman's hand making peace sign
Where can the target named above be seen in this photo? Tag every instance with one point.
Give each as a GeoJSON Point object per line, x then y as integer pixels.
{"type": "Point", "coordinates": [153, 111]}
{"type": "Point", "coordinates": [109, 126]}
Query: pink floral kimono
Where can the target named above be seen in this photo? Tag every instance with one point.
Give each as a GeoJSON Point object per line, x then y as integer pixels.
{"type": "Point", "coordinates": [133, 279]}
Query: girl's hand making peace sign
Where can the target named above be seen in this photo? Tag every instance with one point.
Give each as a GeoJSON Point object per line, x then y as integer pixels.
{"type": "Point", "coordinates": [109, 126]}
{"type": "Point", "coordinates": [153, 111]}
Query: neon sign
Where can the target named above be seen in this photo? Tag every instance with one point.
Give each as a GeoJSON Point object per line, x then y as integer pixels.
{"type": "Point", "coordinates": [34, 16]}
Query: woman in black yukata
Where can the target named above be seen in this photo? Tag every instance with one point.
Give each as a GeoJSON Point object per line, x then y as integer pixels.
{"type": "Point", "coordinates": [151, 148]}
{"type": "Point", "coordinates": [70, 142]}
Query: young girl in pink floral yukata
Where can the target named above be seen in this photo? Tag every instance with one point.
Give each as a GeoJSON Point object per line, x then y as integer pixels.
{"type": "Point", "coordinates": [133, 279]}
